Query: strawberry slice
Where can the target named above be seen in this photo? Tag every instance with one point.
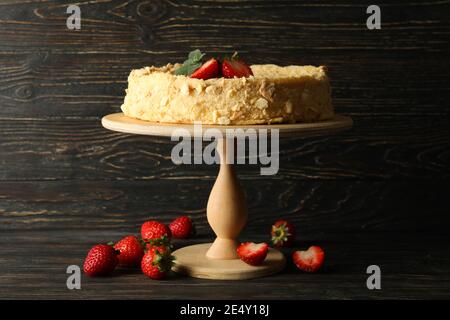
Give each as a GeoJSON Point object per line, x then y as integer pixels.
{"type": "Point", "coordinates": [208, 70]}
{"type": "Point", "coordinates": [252, 253]}
{"type": "Point", "coordinates": [235, 68]}
{"type": "Point", "coordinates": [310, 260]}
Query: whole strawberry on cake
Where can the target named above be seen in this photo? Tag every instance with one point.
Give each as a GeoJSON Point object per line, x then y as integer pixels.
{"type": "Point", "coordinates": [228, 91]}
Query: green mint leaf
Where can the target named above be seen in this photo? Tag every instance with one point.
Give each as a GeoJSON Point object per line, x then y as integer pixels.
{"type": "Point", "coordinates": [193, 62]}
{"type": "Point", "coordinates": [193, 67]}
{"type": "Point", "coordinates": [181, 70]}
{"type": "Point", "coordinates": [195, 56]}
{"type": "Point", "coordinates": [187, 69]}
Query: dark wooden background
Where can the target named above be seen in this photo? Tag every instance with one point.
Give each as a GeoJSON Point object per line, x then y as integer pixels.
{"type": "Point", "coordinates": [378, 194]}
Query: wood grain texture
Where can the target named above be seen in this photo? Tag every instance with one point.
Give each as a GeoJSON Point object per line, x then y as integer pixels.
{"type": "Point", "coordinates": [58, 72]}
{"type": "Point", "coordinates": [376, 148]}
{"type": "Point", "coordinates": [375, 194]}
{"type": "Point", "coordinates": [42, 260]}
{"type": "Point", "coordinates": [314, 206]}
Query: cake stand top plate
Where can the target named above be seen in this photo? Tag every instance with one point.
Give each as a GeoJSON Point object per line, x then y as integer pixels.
{"type": "Point", "coordinates": [120, 122]}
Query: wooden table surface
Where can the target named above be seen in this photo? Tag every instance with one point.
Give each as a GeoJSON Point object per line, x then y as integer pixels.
{"type": "Point", "coordinates": [378, 194]}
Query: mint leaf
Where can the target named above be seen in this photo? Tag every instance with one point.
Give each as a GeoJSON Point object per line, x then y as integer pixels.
{"type": "Point", "coordinates": [187, 69]}
{"type": "Point", "coordinates": [193, 62]}
{"type": "Point", "coordinates": [195, 56]}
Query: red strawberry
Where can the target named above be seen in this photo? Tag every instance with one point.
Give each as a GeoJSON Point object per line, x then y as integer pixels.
{"type": "Point", "coordinates": [235, 68]}
{"type": "Point", "coordinates": [252, 253]}
{"type": "Point", "coordinates": [159, 248]}
{"type": "Point", "coordinates": [283, 233]}
{"type": "Point", "coordinates": [310, 260]}
{"type": "Point", "coordinates": [154, 230]}
{"type": "Point", "coordinates": [208, 70]}
{"type": "Point", "coordinates": [130, 251]}
{"type": "Point", "coordinates": [156, 264]}
{"type": "Point", "coordinates": [101, 260]}
{"type": "Point", "coordinates": [182, 227]}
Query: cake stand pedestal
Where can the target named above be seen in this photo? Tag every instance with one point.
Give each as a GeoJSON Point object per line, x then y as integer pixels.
{"type": "Point", "coordinates": [226, 209]}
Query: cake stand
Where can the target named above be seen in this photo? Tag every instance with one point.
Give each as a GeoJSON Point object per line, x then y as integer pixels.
{"type": "Point", "coordinates": [226, 209]}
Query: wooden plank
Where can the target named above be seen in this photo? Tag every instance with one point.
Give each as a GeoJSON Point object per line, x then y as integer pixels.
{"type": "Point", "coordinates": [86, 86]}
{"type": "Point", "coordinates": [376, 148]}
{"type": "Point", "coordinates": [141, 26]}
{"type": "Point", "coordinates": [412, 268]}
{"type": "Point", "coordinates": [316, 207]}
{"type": "Point", "coordinates": [48, 70]}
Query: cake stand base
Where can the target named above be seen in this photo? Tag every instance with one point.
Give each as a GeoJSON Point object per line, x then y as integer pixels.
{"type": "Point", "coordinates": [192, 261]}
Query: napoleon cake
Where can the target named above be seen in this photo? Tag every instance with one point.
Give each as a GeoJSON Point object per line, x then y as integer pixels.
{"type": "Point", "coordinates": [228, 92]}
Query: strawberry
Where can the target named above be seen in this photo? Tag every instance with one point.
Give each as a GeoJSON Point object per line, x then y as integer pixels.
{"type": "Point", "coordinates": [208, 70]}
{"type": "Point", "coordinates": [161, 248]}
{"type": "Point", "coordinates": [283, 233]}
{"type": "Point", "coordinates": [156, 264]}
{"type": "Point", "coordinates": [101, 260]}
{"type": "Point", "coordinates": [235, 67]}
{"type": "Point", "coordinates": [182, 227]}
{"type": "Point", "coordinates": [130, 251]}
{"type": "Point", "coordinates": [252, 253]}
{"type": "Point", "coordinates": [310, 260]}
{"type": "Point", "coordinates": [154, 230]}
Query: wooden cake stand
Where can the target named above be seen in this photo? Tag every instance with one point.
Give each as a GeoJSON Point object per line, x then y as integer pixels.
{"type": "Point", "coordinates": [226, 208]}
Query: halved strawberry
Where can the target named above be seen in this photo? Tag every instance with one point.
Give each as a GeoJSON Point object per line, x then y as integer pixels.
{"type": "Point", "coordinates": [235, 68]}
{"type": "Point", "coordinates": [208, 70]}
{"type": "Point", "coordinates": [310, 260]}
{"type": "Point", "coordinates": [253, 253]}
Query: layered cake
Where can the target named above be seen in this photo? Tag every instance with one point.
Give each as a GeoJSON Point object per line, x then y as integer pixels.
{"type": "Point", "coordinates": [228, 93]}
